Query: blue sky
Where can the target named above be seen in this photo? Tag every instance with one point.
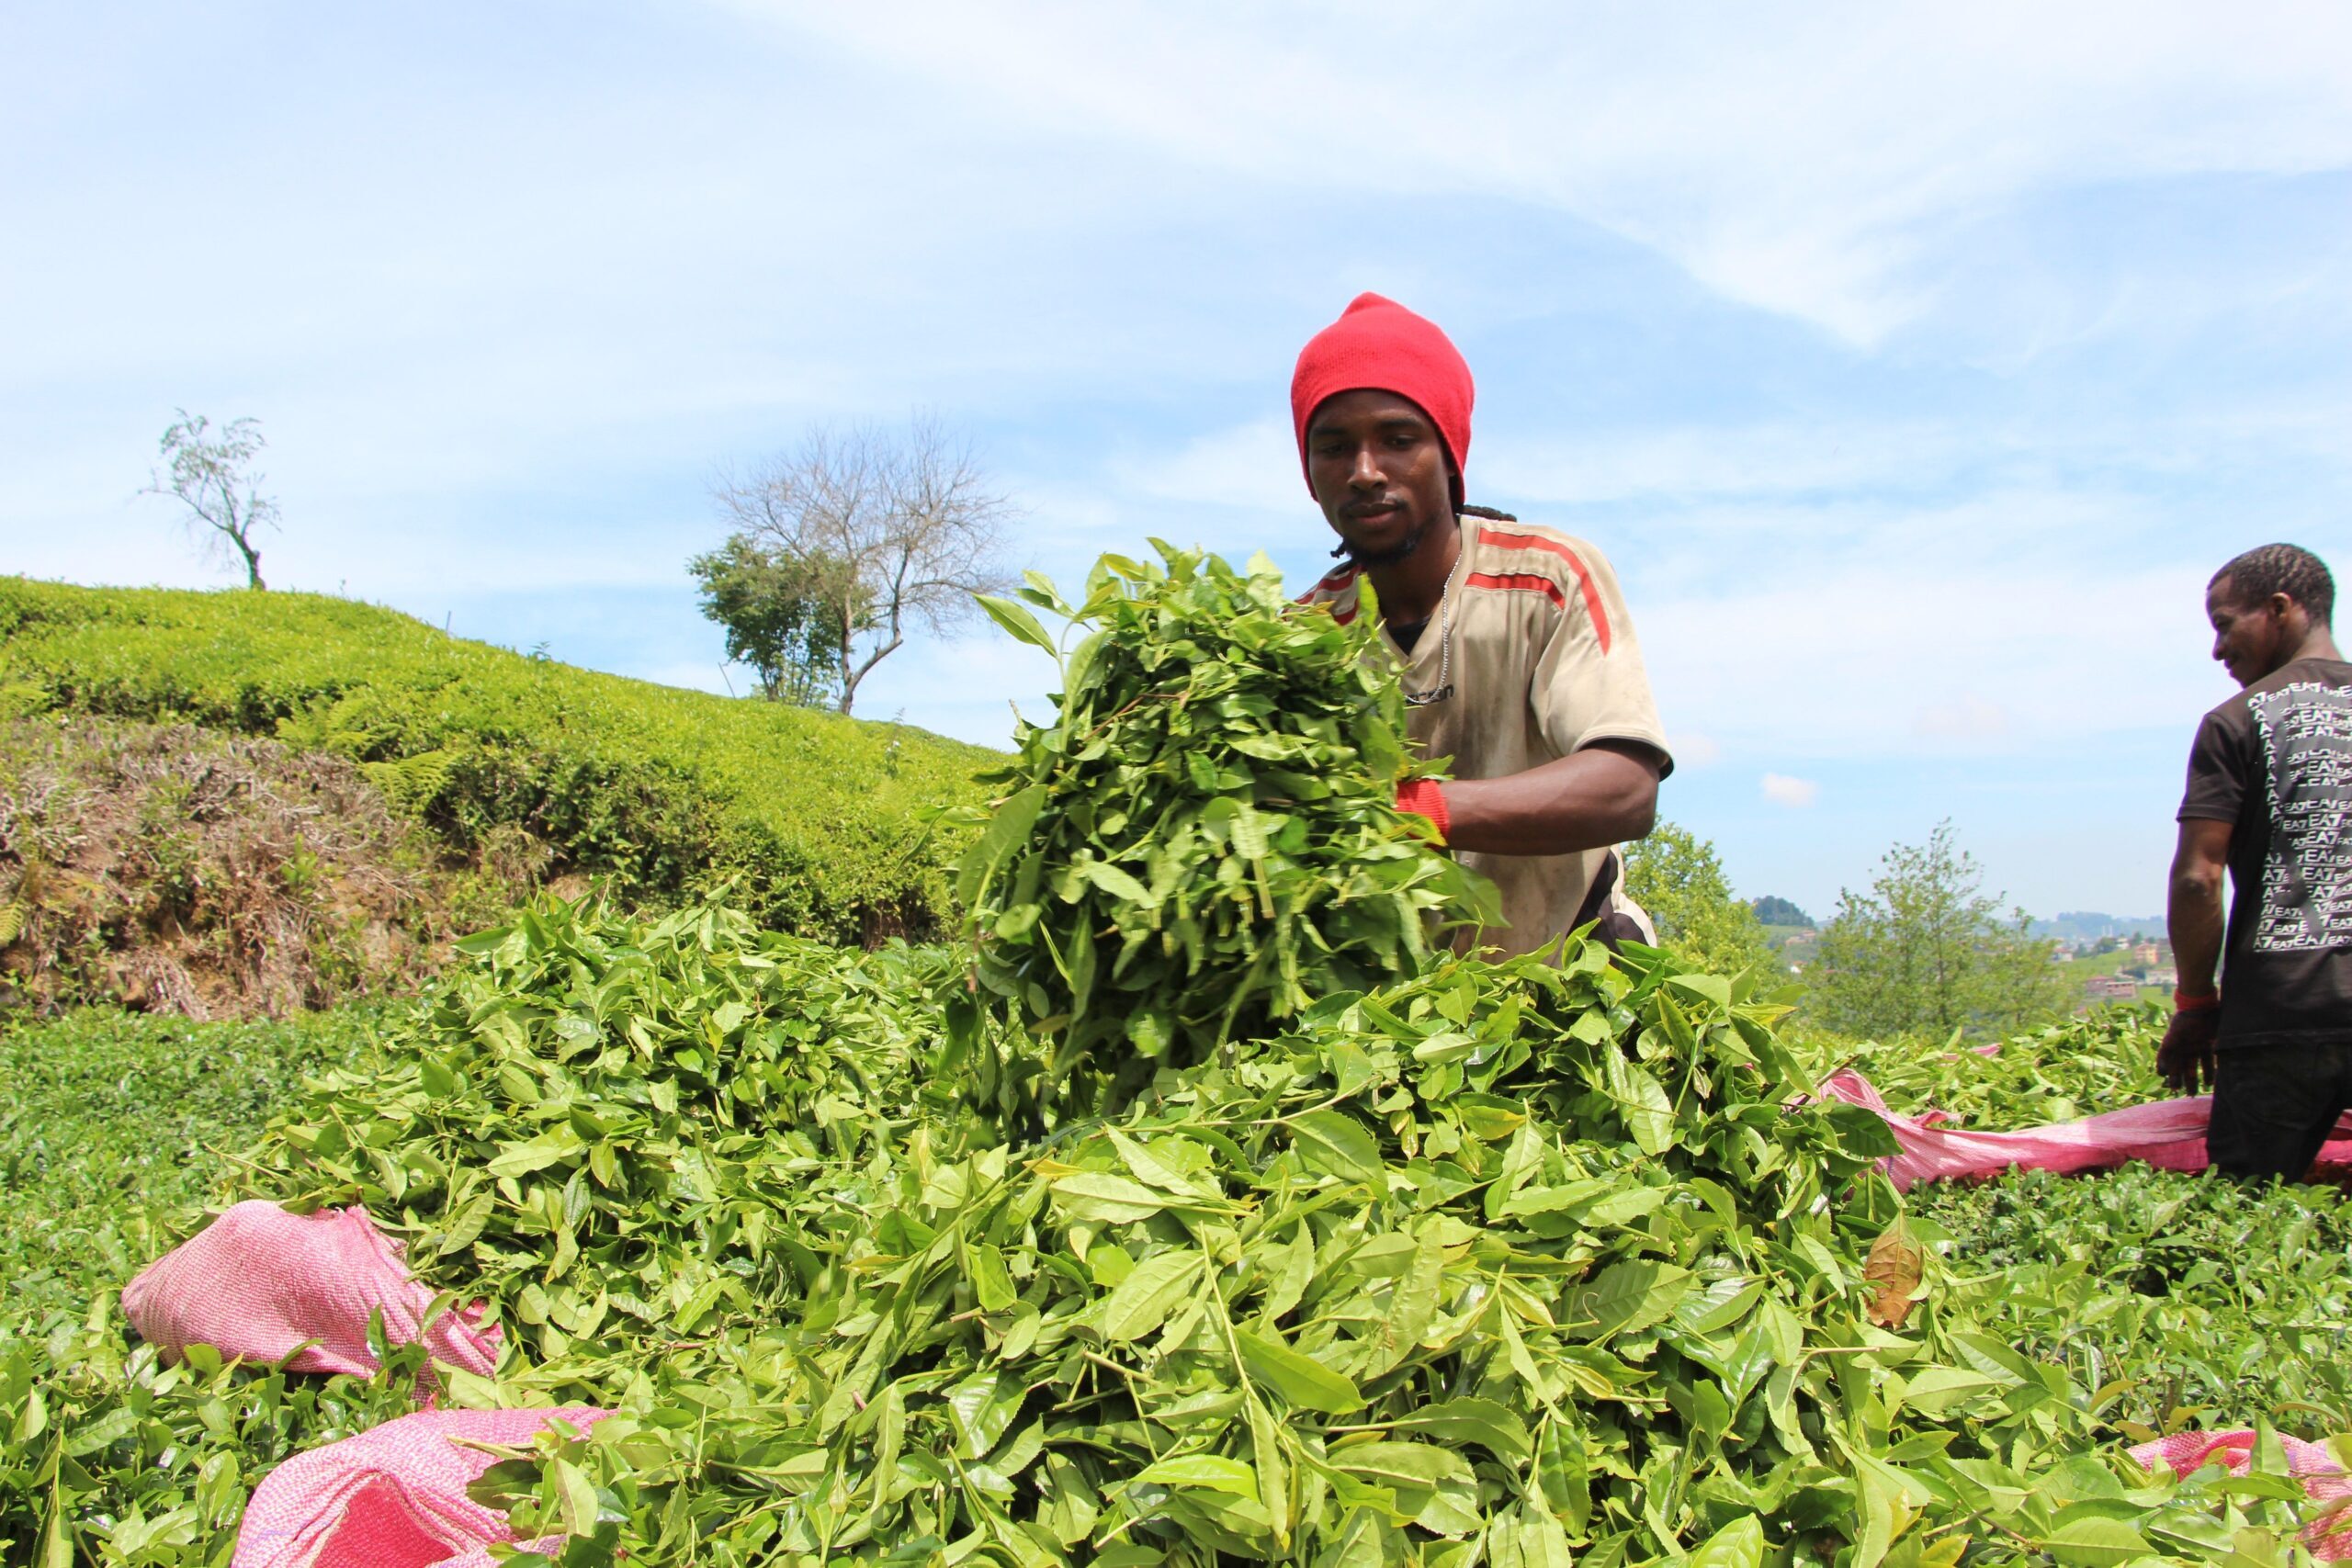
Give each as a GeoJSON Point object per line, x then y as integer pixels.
{"type": "Point", "coordinates": [1915, 365]}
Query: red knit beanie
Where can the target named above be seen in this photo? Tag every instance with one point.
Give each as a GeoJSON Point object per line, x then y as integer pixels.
{"type": "Point", "coordinates": [1377, 344]}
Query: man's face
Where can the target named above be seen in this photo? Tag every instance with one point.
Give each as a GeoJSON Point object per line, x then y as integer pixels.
{"type": "Point", "coordinates": [1379, 471]}
{"type": "Point", "coordinates": [2253, 639]}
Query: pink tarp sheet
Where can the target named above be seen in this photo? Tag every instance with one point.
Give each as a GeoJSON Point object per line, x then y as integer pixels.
{"type": "Point", "coordinates": [2169, 1134]}
{"type": "Point", "coordinates": [394, 1496]}
{"type": "Point", "coordinates": [2329, 1536]}
{"type": "Point", "coordinates": [259, 1281]}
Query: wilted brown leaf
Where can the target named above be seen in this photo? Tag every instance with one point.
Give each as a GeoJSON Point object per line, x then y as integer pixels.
{"type": "Point", "coordinates": [1893, 1271]}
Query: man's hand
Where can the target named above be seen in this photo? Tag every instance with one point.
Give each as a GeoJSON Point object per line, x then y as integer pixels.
{"type": "Point", "coordinates": [2193, 919]}
{"type": "Point", "coordinates": [2185, 1058]}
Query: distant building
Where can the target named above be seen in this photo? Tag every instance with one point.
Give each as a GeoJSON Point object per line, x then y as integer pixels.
{"type": "Point", "coordinates": [2168, 978]}
{"type": "Point", "coordinates": [2111, 988]}
{"type": "Point", "coordinates": [2145, 952]}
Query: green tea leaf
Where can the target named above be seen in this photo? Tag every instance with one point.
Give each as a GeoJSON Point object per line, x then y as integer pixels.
{"type": "Point", "coordinates": [1145, 1298]}
{"type": "Point", "coordinates": [1296, 1378]}
{"type": "Point", "coordinates": [1336, 1143]}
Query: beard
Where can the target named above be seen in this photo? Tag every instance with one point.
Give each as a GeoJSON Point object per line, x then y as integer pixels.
{"type": "Point", "coordinates": [1363, 559]}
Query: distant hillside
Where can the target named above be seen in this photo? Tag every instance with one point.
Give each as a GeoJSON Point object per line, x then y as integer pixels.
{"type": "Point", "coordinates": [816, 816]}
{"type": "Point", "coordinates": [2082, 925]}
{"type": "Point", "coordinates": [1778, 911]}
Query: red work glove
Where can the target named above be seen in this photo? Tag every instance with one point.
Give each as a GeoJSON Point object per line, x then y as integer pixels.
{"type": "Point", "coordinates": [1422, 798]}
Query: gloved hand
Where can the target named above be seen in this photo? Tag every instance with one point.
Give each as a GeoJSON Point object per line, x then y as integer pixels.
{"type": "Point", "coordinates": [1424, 798]}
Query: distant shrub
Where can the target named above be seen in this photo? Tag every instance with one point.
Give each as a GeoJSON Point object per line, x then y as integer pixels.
{"type": "Point", "coordinates": [815, 817]}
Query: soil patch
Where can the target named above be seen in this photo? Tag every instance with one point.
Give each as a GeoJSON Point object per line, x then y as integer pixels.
{"type": "Point", "coordinates": [174, 869]}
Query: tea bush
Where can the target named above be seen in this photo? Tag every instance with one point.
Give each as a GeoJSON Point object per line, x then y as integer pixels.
{"type": "Point", "coordinates": [2188, 1299]}
{"type": "Point", "coordinates": [815, 817]}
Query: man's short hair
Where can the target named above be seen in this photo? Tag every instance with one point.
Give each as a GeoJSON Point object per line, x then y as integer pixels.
{"type": "Point", "coordinates": [2283, 568]}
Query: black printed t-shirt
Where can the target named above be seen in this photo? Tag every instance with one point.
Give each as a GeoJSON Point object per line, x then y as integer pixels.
{"type": "Point", "coordinates": [2275, 763]}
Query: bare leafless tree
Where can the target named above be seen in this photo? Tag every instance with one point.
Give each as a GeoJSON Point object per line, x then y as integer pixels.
{"type": "Point", "coordinates": [895, 527]}
{"type": "Point", "coordinates": [208, 473]}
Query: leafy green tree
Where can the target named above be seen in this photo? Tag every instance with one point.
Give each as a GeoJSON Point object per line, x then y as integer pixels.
{"type": "Point", "coordinates": [1774, 910]}
{"type": "Point", "coordinates": [1678, 879]}
{"type": "Point", "coordinates": [779, 612]}
{"type": "Point", "coordinates": [1927, 951]}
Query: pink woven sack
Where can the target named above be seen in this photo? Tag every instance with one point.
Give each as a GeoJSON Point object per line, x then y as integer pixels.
{"type": "Point", "coordinates": [2329, 1537]}
{"type": "Point", "coordinates": [2169, 1134]}
{"type": "Point", "coordinates": [394, 1496]}
{"type": "Point", "coordinates": [258, 1281]}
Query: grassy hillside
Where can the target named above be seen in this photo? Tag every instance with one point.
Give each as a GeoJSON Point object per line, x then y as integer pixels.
{"type": "Point", "coordinates": [815, 816]}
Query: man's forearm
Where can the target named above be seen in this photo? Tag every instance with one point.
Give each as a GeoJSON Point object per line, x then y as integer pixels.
{"type": "Point", "coordinates": [1601, 794]}
{"type": "Point", "coordinates": [2193, 919]}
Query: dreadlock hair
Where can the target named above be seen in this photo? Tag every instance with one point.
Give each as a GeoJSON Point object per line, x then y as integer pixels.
{"type": "Point", "coordinates": [2283, 568]}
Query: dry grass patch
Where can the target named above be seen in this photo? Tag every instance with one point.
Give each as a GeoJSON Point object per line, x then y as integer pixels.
{"type": "Point", "coordinates": [179, 870]}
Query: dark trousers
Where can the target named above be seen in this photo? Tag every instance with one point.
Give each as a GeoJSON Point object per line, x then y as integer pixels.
{"type": "Point", "coordinates": [1614, 929]}
{"type": "Point", "coordinates": [2275, 1105]}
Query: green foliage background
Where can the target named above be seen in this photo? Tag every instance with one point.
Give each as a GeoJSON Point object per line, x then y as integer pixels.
{"type": "Point", "coordinates": [1480, 1263]}
{"type": "Point", "coordinates": [1677, 878]}
{"type": "Point", "coordinates": [818, 818]}
{"type": "Point", "coordinates": [2189, 1301]}
{"type": "Point", "coordinates": [1927, 952]}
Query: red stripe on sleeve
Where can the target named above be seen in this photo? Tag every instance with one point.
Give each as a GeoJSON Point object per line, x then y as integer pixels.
{"type": "Point", "coordinates": [1584, 579]}
{"type": "Point", "coordinates": [1332, 582]}
{"type": "Point", "coordinates": [1517, 582]}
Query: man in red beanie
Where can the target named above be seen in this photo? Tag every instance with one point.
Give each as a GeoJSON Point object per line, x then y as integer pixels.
{"type": "Point", "coordinates": [1514, 646]}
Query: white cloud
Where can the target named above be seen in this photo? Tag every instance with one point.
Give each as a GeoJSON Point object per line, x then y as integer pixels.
{"type": "Point", "coordinates": [504, 293]}
{"type": "Point", "coordinates": [1687, 462]}
{"type": "Point", "coordinates": [2061, 631]}
{"type": "Point", "coordinates": [1794, 792]}
{"type": "Point", "coordinates": [1798, 156]}
{"type": "Point", "coordinates": [1863, 452]}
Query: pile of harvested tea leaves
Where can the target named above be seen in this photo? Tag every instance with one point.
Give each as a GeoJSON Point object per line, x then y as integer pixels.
{"type": "Point", "coordinates": [1514, 1262]}
{"type": "Point", "coordinates": [1202, 842]}
{"type": "Point", "coordinates": [1518, 1263]}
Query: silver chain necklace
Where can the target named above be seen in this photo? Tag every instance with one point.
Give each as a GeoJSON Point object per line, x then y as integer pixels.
{"type": "Point", "coordinates": [1444, 687]}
